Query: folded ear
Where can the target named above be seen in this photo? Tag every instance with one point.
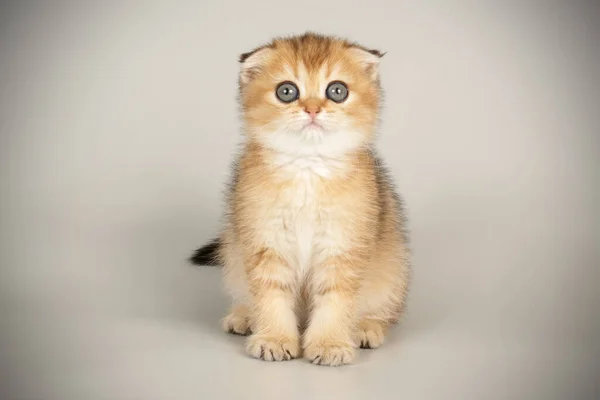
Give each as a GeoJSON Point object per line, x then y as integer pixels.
{"type": "Point", "coordinates": [252, 62]}
{"type": "Point", "coordinates": [369, 59]}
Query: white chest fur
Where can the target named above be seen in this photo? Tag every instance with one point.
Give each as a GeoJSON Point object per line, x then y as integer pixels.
{"type": "Point", "coordinates": [299, 219]}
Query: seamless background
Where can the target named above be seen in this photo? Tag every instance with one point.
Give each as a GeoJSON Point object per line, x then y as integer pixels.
{"type": "Point", "coordinates": [117, 125]}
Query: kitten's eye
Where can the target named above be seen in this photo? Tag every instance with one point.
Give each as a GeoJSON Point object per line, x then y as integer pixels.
{"type": "Point", "coordinates": [337, 91]}
{"type": "Point", "coordinates": [287, 92]}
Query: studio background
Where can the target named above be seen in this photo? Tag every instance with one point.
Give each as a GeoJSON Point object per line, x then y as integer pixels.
{"type": "Point", "coordinates": [118, 123]}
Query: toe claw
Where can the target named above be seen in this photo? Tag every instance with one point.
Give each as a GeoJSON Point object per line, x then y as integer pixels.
{"type": "Point", "coordinates": [272, 349]}
{"type": "Point", "coordinates": [333, 354]}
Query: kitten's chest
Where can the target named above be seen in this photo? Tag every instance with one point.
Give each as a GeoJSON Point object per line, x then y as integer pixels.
{"type": "Point", "coordinates": [299, 210]}
{"type": "Point", "coordinates": [299, 217]}
{"type": "Point", "coordinates": [302, 197]}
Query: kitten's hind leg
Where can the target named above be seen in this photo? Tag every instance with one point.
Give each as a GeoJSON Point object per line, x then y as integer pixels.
{"type": "Point", "coordinates": [371, 333]}
{"type": "Point", "coordinates": [381, 306]}
{"type": "Point", "coordinates": [382, 297]}
{"type": "Point", "coordinates": [238, 320]}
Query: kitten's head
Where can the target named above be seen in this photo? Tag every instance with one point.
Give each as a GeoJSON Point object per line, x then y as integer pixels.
{"type": "Point", "coordinates": [310, 93]}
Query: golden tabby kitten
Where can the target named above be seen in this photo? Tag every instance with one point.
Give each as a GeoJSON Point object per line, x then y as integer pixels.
{"type": "Point", "coordinates": [313, 249]}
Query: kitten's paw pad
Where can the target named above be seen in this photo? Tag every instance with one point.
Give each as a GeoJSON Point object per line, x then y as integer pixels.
{"type": "Point", "coordinates": [271, 349]}
{"type": "Point", "coordinates": [237, 324]}
{"type": "Point", "coordinates": [371, 335]}
{"type": "Point", "coordinates": [333, 354]}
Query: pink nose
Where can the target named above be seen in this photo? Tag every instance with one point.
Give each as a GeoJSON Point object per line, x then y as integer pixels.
{"type": "Point", "coordinates": [312, 111]}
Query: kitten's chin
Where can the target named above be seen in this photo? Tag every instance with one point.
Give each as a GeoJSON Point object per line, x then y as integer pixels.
{"type": "Point", "coordinates": [313, 125]}
{"type": "Point", "coordinates": [314, 141]}
{"type": "Point", "coordinates": [312, 131]}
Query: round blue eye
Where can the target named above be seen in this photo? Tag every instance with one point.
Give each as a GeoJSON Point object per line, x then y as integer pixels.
{"type": "Point", "coordinates": [287, 92]}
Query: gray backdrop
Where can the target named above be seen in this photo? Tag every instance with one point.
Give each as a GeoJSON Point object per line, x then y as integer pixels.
{"type": "Point", "coordinates": [118, 123]}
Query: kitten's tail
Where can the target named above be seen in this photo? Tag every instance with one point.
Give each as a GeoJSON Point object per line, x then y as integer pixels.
{"type": "Point", "coordinates": [207, 254]}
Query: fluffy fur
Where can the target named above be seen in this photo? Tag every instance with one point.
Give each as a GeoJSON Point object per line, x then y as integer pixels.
{"type": "Point", "coordinates": [314, 252]}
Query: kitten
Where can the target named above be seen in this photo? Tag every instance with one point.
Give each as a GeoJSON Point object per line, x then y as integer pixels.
{"type": "Point", "coordinates": [314, 252]}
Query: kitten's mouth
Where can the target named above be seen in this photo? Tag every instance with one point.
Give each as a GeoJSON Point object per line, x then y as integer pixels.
{"type": "Point", "coordinates": [313, 125]}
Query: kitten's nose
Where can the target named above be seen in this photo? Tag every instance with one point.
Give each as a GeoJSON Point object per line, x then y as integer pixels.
{"type": "Point", "coordinates": [312, 110]}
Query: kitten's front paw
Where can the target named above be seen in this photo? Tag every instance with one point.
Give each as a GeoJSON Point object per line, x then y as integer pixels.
{"type": "Point", "coordinates": [330, 353]}
{"type": "Point", "coordinates": [272, 349]}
